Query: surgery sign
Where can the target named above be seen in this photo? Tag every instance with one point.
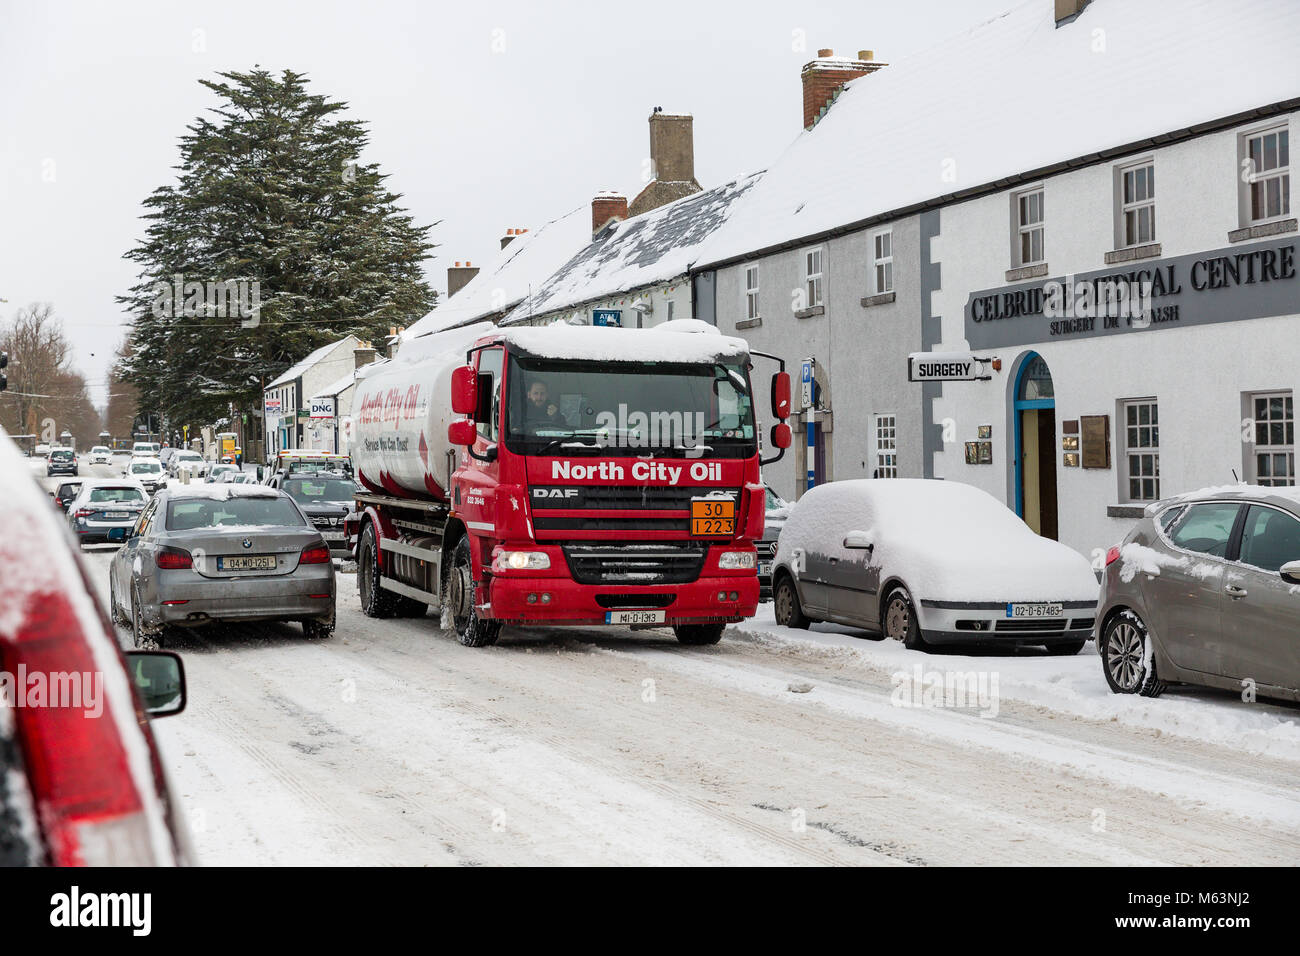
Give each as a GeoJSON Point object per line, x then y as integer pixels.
{"type": "Point", "coordinates": [946, 367]}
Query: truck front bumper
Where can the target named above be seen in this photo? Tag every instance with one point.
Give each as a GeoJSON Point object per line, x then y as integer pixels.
{"type": "Point", "coordinates": [561, 601]}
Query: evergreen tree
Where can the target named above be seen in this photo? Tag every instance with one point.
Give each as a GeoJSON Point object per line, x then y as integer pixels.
{"type": "Point", "coordinates": [270, 190]}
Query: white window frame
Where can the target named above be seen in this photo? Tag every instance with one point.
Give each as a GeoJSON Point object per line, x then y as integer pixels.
{"type": "Point", "coordinates": [1021, 206]}
{"type": "Point", "coordinates": [750, 292]}
{"type": "Point", "coordinates": [1134, 449]}
{"type": "Point", "coordinates": [882, 261]}
{"type": "Point", "coordinates": [1268, 447]}
{"type": "Point", "coordinates": [814, 285]}
{"type": "Point", "coordinates": [1141, 176]}
{"type": "Point", "coordinates": [671, 310]}
{"type": "Point", "coordinates": [885, 445]}
{"type": "Point", "coordinates": [1255, 176]}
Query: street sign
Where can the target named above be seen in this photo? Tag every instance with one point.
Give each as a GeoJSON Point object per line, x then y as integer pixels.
{"type": "Point", "coordinates": [946, 367]}
{"type": "Point", "coordinates": [273, 405]}
{"type": "Point", "coordinates": [806, 382]}
{"type": "Point", "coordinates": [322, 407]}
{"type": "Point", "coordinates": [612, 317]}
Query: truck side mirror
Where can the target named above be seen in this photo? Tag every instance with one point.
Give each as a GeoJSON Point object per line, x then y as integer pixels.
{"type": "Point", "coordinates": [781, 398]}
{"type": "Point", "coordinates": [464, 390]}
{"type": "Point", "coordinates": [462, 432]}
{"type": "Point", "coordinates": [781, 437]}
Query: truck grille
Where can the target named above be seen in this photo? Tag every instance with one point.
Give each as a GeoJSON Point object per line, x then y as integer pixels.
{"type": "Point", "coordinates": [623, 497]}
{"type": "Point", "coordinates": [666, 562]}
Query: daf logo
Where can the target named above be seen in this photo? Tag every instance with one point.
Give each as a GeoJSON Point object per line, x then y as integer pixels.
{"type": "Point", "coordinates": [247, 542]}
{"type": "Point", "coordinates": [555, 492]}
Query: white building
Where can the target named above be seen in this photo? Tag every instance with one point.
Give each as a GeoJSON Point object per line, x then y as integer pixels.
{"type": "Point", "coordinates": [1143, 142]}
{"type": "Point", "coordinates": [286, 399]}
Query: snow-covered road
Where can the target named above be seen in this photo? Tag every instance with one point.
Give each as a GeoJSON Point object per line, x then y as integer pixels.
{"type": "Point", "coordinates": [391, 743]}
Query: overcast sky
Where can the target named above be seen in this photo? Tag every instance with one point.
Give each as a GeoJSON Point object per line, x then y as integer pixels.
{"type": "Point", "coordinates": [486, 115]}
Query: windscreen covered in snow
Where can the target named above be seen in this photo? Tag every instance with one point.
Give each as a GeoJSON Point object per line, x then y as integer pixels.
{"type": "Point", "coordinates": [945, 540]}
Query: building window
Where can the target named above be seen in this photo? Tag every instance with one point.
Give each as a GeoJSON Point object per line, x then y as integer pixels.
{"type": "Point", "coordinates": [1029, 227]}
{"type": "Point", "coordinates": [1268, 174]}
{"type": "Point", "coordinates": [1142, 449]}
{"type": "Point", "coordinates": [1137, 185]}
{"type": "Point", "coordinates": [751, 292]}
{"type": "Point", "coordinates": [1273, 457]}
{"type": "Point", "coordinates": [886, 447]}
{"type": "Point", "coordinates": [882, 260]}
{"type": "Point", "coordinates": [812, 277]}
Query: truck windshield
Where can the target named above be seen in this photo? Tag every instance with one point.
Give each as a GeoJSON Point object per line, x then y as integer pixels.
{"type": "Point", "coordinates": [566, 407]}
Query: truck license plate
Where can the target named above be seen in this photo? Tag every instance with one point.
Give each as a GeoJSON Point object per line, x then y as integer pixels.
{"type": "Point", "coordinates": [635, 617]}
{"type": "Point", "coordinates": [713, 517]}
{"type": "Point", "coordinates": [256, 562]}
{"type": "Point", "coordinates": [1034, 611]}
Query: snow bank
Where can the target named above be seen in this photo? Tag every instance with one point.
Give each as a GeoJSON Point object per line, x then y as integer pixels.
{"type": "Point", "coordinates": [946, 540]}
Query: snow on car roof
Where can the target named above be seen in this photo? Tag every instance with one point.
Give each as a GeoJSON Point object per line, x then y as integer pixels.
{"type": "Point", "coordinates": [1287, 493]}
{"type": "Point", "coordinates": [946, 539]}
{"type": "Point", "coordinates": [222, 491]}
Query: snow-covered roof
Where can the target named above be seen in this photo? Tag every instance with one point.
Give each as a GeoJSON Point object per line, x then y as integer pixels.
{"type": "Point", "coordinates": [307, 363]}
{"type": "Point", "coordinates": [681, 340]}
{"type": "Point", "coordinates": [653, 247]}
{"type": "Point", "coordinates": [1014, 95]}
{"type": "Point", "coordinates": [500, 285]}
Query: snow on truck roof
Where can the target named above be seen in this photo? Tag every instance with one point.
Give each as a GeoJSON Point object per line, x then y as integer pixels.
{"type": "Point", "coordinates": [1120, 74]}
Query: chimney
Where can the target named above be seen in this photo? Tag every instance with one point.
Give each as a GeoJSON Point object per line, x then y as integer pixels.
{"type": "Point", "coordinates": [672, 147]}
{"type": "Point", "coordinates": [511, 235]}
{"type": "Point", "coordinates": [606, 206]}
{"type": "Point", "coordinates": [364, 354]}
{"type": "Point", "coordinates": [1067, 10]}
{"type": "Point", "coordinates": [457, 276]}
{"type": "Point", "coordinates": [825, 76]}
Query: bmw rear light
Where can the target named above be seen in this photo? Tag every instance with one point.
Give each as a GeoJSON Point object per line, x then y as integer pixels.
{"type": "Point", "coordinates": [90, 811]}
{"type": "Point", "coordinates": [173, 559]}
{"type": "Point", "coordinates": [315, 554]}
{"type": "Point", "coordinates": [1112, 555]}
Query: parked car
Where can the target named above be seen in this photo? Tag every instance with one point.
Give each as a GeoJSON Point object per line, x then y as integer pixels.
{"type": "Point", "coordinates": [145, 449]}
{"type": "Point", "coordinates": [777, 510]}
{"type": "Point", "coordinates": [219, 470]}
{"type": "Point", "coordinates": [1206, 590]}
{"type": "Point", "coordinates": [202, 554]}
{"type": "Point", "coordinates": [326, 499]}
{"type": "Point", "coordinates": [105, 504]}
{"type": "Point", "coordinates": [186, 460]}
{"type": "Point", "coordinates": [61, 461]}
{"type": "Point", "coordinates": [42, 450]}
{"type": "Point", "coordinates": [929, 562]}
{"type": "Point", "coordinates": [100, 455]}
{"type": "Point", "coordinates": [79, 785]}
{"type": "Point", "coordinates": [64, 493]}
{"type": "Point", "coordinates": [238, 477]}
{"type": "Point", "coordinates": [148, 471]}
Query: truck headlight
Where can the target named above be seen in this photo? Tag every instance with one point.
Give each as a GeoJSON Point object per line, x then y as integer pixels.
{"type": "Point", "coordinates": [735, 560]}
{"type": "Point", "coordinates": [521, 561]}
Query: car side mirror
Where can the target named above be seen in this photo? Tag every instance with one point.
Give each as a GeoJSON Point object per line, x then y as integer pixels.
{"type": "Point", "coordinates": [159, 679]}
{"type": "Point", "coordinates": [859, 541]}
{"type": "Point", "coordinates": [1291, 572]}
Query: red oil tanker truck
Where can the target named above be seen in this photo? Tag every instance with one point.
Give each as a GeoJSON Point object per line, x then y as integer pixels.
{"type": "Point", "coordinates": [563, 475]}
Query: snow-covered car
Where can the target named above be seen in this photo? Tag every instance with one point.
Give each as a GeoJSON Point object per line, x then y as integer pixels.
{"type": "Point", "coordinates": [1206, 590]}
{"type": "Point", "coordinates": [104, 504]}
{"type": "Point", "coordinates": [186, 460]}
{"type": "Point", "coordinates": [219, 470]}
{"type": "Point", "coordinates": [61, 461]}
{"type": "Point", "coordinates": [81, 782]}
{"type": "Point", "coordinates": [238, 477]}
{"type": "Point", "coordinates": [202, 554]}
{"type": "Point", "coordinates": [774, 515]}
{"type": "Point", "coordinates": [148, 471]}
{"type": "Point", "coordinates": [42, 450]}
{"type": "Point", "coordinates": [100, 455]}
{"type": "Point", "coordinates": [145, 449]}
{"type": "Point", "coordinates": [929, 562]}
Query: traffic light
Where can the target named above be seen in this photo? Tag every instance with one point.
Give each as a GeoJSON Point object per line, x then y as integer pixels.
{"type": "Point", "coordinates": [4, 379]}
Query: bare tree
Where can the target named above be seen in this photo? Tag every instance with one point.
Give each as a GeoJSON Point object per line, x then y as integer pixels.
{"type": "Point", "coordinates": [45, 396]}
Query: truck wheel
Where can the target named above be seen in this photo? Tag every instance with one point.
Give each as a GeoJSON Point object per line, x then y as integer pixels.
{"type": "Point", "coordinates": [462, 598]}
{"type": "Point", "coordinates": [698, 634]}
{"type": "Point", "coordinates": [375, 601]}
{"type": "Point", "coordinates": [785, 601]}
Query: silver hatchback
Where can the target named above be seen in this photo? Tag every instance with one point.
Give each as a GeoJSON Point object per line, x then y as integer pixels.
{"type": "Point", "coordinates": [212, 553]}
{"type": "Point", "coordinates": [1206, 590]}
